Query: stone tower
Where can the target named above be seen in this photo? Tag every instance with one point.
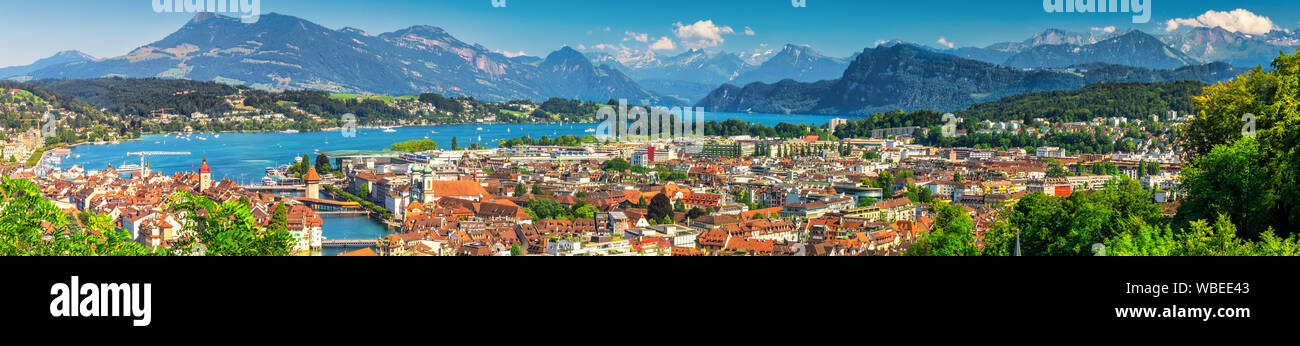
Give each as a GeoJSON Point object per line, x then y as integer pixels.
{"type": "Point", "coordinates": [205, 176]}
{"type": "Point", "coordinates": [313, 183]}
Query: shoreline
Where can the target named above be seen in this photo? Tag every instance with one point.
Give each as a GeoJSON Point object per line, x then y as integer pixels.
{"type": "Point", "coordinates": [336, 128]}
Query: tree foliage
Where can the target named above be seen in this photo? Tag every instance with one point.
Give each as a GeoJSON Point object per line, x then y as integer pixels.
{"type": "Point", "coordinates": [1252, 180]}
{"type": "Point", "coordinates": [952, 234]}
{"type": "Point", "coordinates": [226, 229]}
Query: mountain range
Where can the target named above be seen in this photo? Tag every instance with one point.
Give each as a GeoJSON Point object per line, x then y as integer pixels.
{"type": "Point", "coordinates": [910, 77]}
{"type": "Point", "coordinates": [284, 52]}
{"type": "Point", "coordinates": [691, 75]}
{"type": "Point", "coordinates": [1058, 48]}
{"type": "Point", "coordinates": [60, 58]}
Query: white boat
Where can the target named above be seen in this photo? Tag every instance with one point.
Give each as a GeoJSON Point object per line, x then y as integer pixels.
{"type": "Point", "coordinates": [216, 136]}
{"type": "Point", "coordinates": [591, 131]}
{"type": "Point", "coordinates": [290, 131]}
{"type": "Point", "coordinates": [479, 129]}
{"type": "Point", "coordinates": [389, 130]}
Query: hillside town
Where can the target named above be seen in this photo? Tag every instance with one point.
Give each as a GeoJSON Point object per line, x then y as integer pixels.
{"type": "Point", "coordinates": [673, 197]}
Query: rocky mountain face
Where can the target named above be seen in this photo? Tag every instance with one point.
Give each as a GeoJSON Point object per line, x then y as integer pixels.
{"type": "Point", "coordinates": [284, 52]}
{"type": "Point", "coordinates": [910, 77]}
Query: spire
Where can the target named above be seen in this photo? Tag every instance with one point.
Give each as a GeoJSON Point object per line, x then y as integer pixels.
{"type": "Point", "coordinates": [204, 167]}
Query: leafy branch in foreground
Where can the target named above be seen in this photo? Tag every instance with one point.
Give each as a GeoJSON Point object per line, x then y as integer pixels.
{"type": "Point", "coordinates": [226, 229]}
{"type": "Point", "coordinates": [31, 225]}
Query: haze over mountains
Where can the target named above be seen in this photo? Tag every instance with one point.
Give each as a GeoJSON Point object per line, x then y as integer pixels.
{"type": "Point", "coordinates": [284, 52]}
{"type": "Point", "coordinates": [693, 74]}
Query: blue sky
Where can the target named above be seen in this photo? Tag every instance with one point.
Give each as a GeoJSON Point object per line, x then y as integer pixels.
{"type": "Point", "coordinates": [31, 29]}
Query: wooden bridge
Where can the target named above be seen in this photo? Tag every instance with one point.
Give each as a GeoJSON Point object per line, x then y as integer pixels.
{"type": "Point", "coordinates": [348, 242]}
{"type": "Point", "coordinates": [344, 212]}
{"type": "Point", "coordinates": [334, 207]}
{"type": "Point", "coordinates": [274, 187]}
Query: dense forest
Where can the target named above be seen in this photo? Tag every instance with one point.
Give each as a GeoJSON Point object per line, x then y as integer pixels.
{"type": "Point", "coordinates": [1132, 100]}
{"type": "Point", "coordinates": [139, 97]}
{"type": "Point", "coordinates": [94, 123]}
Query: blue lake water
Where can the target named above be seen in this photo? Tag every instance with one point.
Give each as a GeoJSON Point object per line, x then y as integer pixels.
{"type": "Point", "coordinates": [341, 227]}
{"type": "Point", "coordinates": [244, 157]}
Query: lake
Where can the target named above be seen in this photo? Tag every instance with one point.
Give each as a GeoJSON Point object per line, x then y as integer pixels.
{"type": "Point", "coordinates": [244, 157]}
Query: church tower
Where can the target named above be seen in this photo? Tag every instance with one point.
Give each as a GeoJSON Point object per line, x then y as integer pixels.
{"type": "Point", "coordinates": [422, 184]}
{"type": "Point", "coordinates": [205, 176]}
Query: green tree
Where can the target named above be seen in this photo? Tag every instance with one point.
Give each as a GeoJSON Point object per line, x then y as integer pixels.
{"type": "Point", "coordinates": [585, 212]}
{"type": "Point", "coordinates": [279, 219]}
{"type": "Point", "coordinates": [1069, 226]}
{"type": "Point", "coordinates": [31, 225]}
{"type": "Point", "coordinates": [660, 207]}
{"type": "Point", "coordinates": [1219, 133]}
{"type": "Point", "coordinates": [547, 209]}
{"type": "Point", "coordinates": [537, 190]}
{"type": "Point", "coordinates": [454, 144]}
{"type": "Point", "coordinates": [415, 146]}
{"type": "Point", "coordinates": [521, 190]}
{"type": "Point", "coordinates": [617, 164]}
{"type": "Point", "coordinates": [323, 164]}
{"type": "Point", "coordinates": [226, 229]}
{"type": "Point", "coordinates": [952, 234]}
{"type": "Point", "coordinates": [1054, 169]}
{"type": "Point", "coordinates": [364, 191]}
{"type": "Point", "coordinates": [1232, 180]}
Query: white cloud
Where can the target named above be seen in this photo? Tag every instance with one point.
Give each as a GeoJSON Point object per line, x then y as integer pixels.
{"type": "Point", "coordinates": [603, 46]}
{"type": "Point", "coordinates": [510, 54]}
{"type": "Point", "coordinates": [1108, 30]}
{"type": "Point", "coordinates": [639, 37]}
{"type": "Point", "coordinates": [664, 43]}
{"type": "Point", "coordinates": [749, 32]}
{"type": "Point", "coordinates": [1238, 20]}
{"type": "Point", "coordinates": [702, 34]}
{"type": "Point", "coordinates": [944, 42]}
